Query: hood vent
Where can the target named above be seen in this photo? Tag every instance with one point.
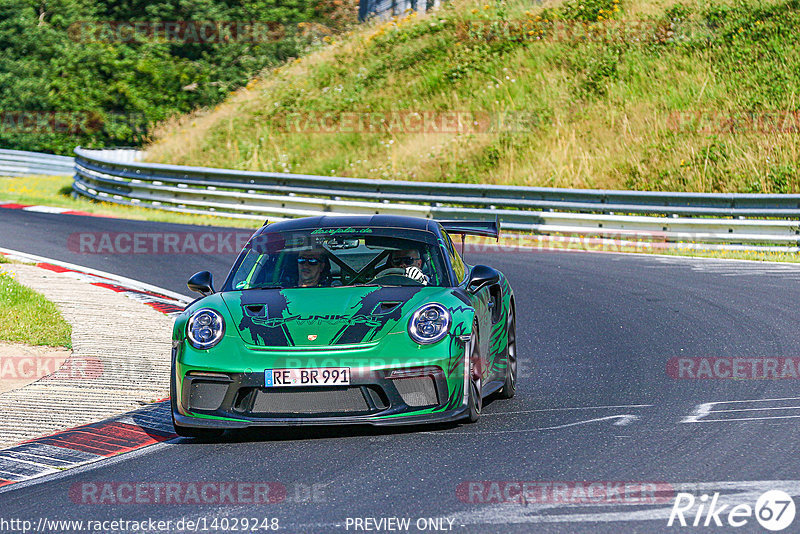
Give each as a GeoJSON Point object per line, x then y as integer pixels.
{"type": "Point", "coordinates": [386, 307]}
{"type": "Point", "coordinates": [256, 310]}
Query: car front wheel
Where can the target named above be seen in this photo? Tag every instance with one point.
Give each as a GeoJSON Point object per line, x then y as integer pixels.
{"type": "Point", "coordinates": [510, 385]}
{"type": "Point", "coordinates": [474, 398]}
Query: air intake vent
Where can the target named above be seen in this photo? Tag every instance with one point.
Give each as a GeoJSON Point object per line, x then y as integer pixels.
{"type": "Point", "coordinates": [417, 391]}
{"type": "Point", "coordinates": [317, 401]}
{"type": "Point", "coordinates": [256, 310]}
{"type": "Point", "coordinates": [206, 396]}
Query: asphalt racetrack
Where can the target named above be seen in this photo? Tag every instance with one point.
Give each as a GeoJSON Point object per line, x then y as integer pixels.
{"type": "Point", "coordinates": [611, 347]}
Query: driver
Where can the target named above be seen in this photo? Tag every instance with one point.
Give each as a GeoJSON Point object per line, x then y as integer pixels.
{"type": "Point", "coordinates": [312, 268]}
{"type": "Point", "coordinates": [411, 261]}
{"type": "Point", "coordinates": [405, 258]}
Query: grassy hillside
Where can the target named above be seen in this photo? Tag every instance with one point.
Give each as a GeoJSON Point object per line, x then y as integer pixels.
{"type": "Point", "coordinates": [643, 101]}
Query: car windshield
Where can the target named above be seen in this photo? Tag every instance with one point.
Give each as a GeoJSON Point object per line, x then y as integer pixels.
{"type": "Point", "coordinates": [335, 257]}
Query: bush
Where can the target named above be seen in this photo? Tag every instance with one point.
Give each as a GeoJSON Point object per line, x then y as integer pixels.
{"type": "Point", "coordinates": [85, 89]}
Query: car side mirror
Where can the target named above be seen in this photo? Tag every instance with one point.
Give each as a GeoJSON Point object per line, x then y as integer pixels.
{"type": "Point", "coordinates": [202, 282]}
{"type": "Point", "coordinates": [480, 277]}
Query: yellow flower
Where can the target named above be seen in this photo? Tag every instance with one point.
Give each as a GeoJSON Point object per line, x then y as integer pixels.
{"type": "Point", "coordinates": [486, 6]}
{"type": "Point", "coordinates": [474, 10]}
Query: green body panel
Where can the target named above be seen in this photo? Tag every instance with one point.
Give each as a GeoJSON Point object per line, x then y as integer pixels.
{"type": "Point", "coordinates": [349, 333]}
{"type": "Point", "coordinates": [335, 315]}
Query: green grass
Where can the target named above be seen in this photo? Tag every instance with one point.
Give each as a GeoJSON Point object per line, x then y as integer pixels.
{"type": "Point", "coordinates": [56, 191]}
{"type": "Point", "coordinates": [786, 257]}
{"type": "Point", "coordinates": [28, 317]}
{"type": "Point", "coordinates": [585, 113]}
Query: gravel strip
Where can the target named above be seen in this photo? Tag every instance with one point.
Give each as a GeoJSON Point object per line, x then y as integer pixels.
{"type": "Point", "coordinates": [120, 360]}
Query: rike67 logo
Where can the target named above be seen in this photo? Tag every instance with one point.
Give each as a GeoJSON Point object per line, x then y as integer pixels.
{"type": "Point", "coordinates": [774, 510]}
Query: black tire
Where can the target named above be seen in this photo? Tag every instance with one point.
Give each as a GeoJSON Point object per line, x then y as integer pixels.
{"type": "Point", "coordinates": [510, 385]}
{"type": "Point", "coordinates": [474, 399]}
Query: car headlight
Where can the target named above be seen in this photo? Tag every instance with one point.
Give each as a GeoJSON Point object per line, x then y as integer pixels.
{"type": "Point", "coordinates": [429, 324]}
{"type": "Point", "coordinates": [205, 329]}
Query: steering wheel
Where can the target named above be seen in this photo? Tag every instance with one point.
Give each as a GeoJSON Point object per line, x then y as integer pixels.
{"type": "Point", "coordinates": [390, 271]}
{"type": "Point", "coordinates": [398, 272]}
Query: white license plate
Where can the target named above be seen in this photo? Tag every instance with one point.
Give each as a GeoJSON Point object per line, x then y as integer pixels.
{"type": "Point", "coordinates": [315, 376]}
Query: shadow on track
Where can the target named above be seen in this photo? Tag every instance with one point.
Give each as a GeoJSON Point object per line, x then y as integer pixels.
{"type": "Point", "coordinates": [300, 433]}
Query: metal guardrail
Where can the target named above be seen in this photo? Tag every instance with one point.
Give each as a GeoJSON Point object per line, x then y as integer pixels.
{"type": "Point", "coordinates": [701, 217]}
{"type": "Point", "coordinates": [384, 9]}
{"type": "Point", "coordinates": [23, 163]}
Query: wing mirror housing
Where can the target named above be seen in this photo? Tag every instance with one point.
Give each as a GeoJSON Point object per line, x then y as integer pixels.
{"type": "Point", "coordinates": [480, 277]}
{"type": "Point", "coordinates": [202, 283]}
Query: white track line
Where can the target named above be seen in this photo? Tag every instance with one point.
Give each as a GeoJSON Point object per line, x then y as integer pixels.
{"type": "Point", "coordinates": [129, 282]}
{"type": "Point", "coordinates": [576, 408]}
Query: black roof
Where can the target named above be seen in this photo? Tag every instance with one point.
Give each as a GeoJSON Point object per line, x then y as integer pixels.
{"type": "Point", "coordinates": [332, 221]}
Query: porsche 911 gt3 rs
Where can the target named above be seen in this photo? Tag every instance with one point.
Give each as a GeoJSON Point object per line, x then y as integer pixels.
{"type": "Point", "coordinates": [345, 319]}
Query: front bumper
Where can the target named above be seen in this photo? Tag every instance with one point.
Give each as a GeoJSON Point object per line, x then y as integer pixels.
{"type": "Point", "coordinates": [229, 424]}
{"type": "Point", "coordinates": [420, 391]}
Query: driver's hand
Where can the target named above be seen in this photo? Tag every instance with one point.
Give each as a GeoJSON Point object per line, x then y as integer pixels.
{"type": "Point", "coordinates": [416, 274]}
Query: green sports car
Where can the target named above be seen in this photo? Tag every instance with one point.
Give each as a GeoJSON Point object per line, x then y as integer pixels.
{"type": "Point", "coordinates": [345, 319]}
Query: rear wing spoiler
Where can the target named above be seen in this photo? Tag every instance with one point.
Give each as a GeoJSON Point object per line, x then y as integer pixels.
{"type": "Point", "coordinates": [481, 228]}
